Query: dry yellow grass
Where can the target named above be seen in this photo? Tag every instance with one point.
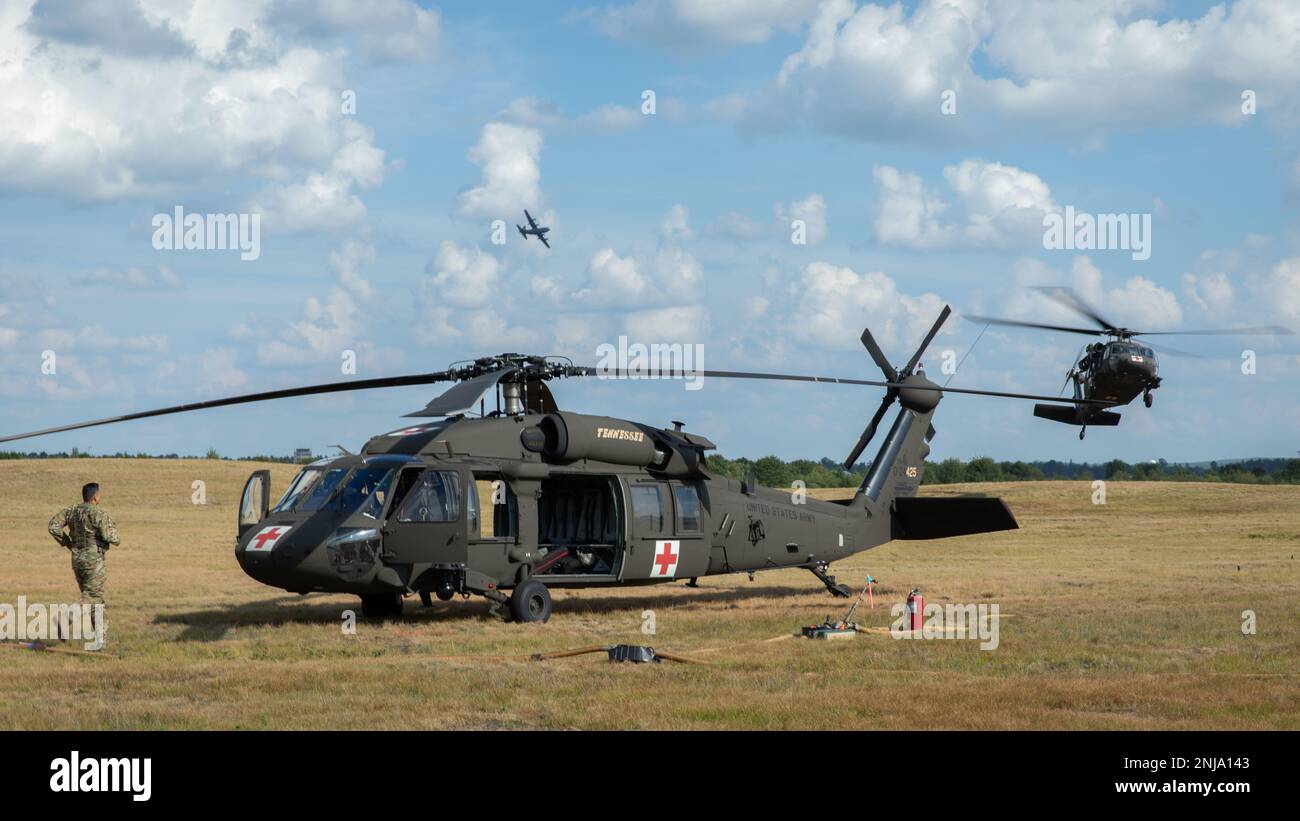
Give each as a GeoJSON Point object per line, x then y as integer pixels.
{"type": "Point", "coordinates": [1124, 616]}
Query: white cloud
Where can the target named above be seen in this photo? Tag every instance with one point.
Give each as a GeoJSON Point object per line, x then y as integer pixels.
{"type": "Point", "coordinates": [509, 156]}
{"type": "Point", "coordinates": [136, 278]}
{"type": "Point", "coordinates": [1283, 285]}
{"type": "Point", "coordinates": [831, 305]}
{"type": "Point", "coordinates": [812, 210]}
{"type": "Point", "coordinates": [462, 277]}
{"type": "Point", "coordinates": [995, 205]}
{"type": "Point", "coordinates": [476, 330]}
{"type": "Point", "coordinates": [612, 279]}
{"type": "Point", "coordinates": [545, 115]}
{"type": "Point", "coordinates": [1077, 69]}
{"type": "Point", "coordinates": [1211, 293]}
{"type": "Point", "coordinates": [156, 99]}
{"type": "Point", "coordinates": [676, 224]}
{"type": "Point", "coordinates": [739, 227]}
{"type": "Point", "coordinates": [686, 324]}
{"type": "Point", "coordinates": [347, 262]}
{"type": "Point", "coordinates": [670, 276]}
{"type": "Point", "coordinates": [211, 372]}
{"type": "Point", "coordinates": [1138, 303]}
{"type": "Point", "coordinates": [691, 23]}
{"type": "Point", "coordinates": [331, 325]}
{"type": "Point", "coordinates": [385, 30]}
{"type": "Point", "coordinates": [325, 200]}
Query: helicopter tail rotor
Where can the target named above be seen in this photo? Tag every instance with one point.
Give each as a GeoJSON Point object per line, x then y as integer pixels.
{"type": "Point", "coordinates": [925, 397]}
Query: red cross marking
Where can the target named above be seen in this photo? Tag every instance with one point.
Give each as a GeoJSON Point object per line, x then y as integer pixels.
{"type": "Point", "coordinates": [666, 561]}
{"type": "Point", "coordinates": [271, 534]}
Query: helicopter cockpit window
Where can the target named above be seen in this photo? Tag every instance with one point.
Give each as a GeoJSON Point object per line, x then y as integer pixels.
{"type": "Point", "coordinates": [297, 489]}
{"type": "Point", "coordinates": [435, 499]}
{"type": "Point", "coordinates": [367, 491]}
{"type": "Point", "coordinates": [322, 491]}
{"type": "Point", "coordinates": [310, 490]}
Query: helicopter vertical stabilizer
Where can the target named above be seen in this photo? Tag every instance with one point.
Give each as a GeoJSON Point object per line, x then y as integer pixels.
{"type": "Point", "coordinates": [897, 468]}
{"type": "Point", "coordinates": [895, 474]}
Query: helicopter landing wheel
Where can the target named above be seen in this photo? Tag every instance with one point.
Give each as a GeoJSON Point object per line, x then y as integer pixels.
{"type": "Point", "coordinates": [1082, 431]}
{"type": "Point", "coordinates": [381, 605]}
{"type": "Point", "coordinates": [531, 601]}
{"type": "Point", "coordinates": [1146, 399]}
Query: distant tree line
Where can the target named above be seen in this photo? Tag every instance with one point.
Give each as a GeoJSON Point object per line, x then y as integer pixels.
{"type": "Point", "coordinates": [77, 453]}
{"type": "Point", "coordinates": [775, 472]}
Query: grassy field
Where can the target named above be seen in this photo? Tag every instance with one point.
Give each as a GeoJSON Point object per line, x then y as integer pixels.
{"type": "Point", "coordinates": [1126, 615]}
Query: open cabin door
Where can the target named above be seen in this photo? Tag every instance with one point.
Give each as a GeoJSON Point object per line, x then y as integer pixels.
{"type": "Point", "coordinates": [580, 527]}
{"type": "Point", "coordinates": [255, 502]}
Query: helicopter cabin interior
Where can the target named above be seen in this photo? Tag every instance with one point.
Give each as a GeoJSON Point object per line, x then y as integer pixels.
{"type": "Point", "coordinates": [580, 526]}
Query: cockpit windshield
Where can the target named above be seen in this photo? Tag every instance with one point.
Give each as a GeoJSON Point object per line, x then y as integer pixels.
{"type": "Point", "coordinates": [322, 490]}
{"type": "Point", "coordinates": [1130, 349]}
{"type": "Point", "coordinates": [298, 488]}
{"type": "Point", "coordinates": [365, 490]}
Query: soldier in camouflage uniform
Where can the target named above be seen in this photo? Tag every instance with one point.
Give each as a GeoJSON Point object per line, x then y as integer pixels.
{"type": "Point", "coordinates": [90, 532]}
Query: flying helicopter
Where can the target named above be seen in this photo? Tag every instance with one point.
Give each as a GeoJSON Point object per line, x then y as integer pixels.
{"type": "Point", "coordinates": [1116, 371]}
{"type": "Point", "coordinates": [528, 497]}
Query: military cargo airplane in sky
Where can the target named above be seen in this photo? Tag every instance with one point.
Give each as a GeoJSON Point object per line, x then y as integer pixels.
{"type": "Point", "coordinates": [533, 229]}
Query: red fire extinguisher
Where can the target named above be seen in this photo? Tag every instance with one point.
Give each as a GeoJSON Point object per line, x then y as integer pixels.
{"type": "Point", "coordinates": [915, 609]}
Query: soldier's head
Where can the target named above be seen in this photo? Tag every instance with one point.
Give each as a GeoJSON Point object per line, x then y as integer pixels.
{"type": "Point", "coordinates": [90, 493]}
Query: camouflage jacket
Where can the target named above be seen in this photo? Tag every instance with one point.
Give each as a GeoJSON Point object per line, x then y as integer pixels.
{"type": "Point", "coordinates": [89, 527]}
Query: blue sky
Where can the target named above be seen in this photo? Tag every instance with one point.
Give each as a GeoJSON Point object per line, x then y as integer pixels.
{"type": "Point", "coordinates": [376, 226]}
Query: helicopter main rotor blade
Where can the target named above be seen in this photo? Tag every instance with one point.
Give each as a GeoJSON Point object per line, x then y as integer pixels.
{"type": "Point", "coordinates": [1165, 349]}
{"type": "Point", "coordinates": [1102, 403]}
{"type": "Point", "coordinates": [1071, 300]}
{"type": "Point", "coordinates": [443, 376]}
{"type": "Point", "coordinates": [869, 432]}
{"type": "Point", "coordinates": [1018, 324]}
{"type": "Point", "coordinates": [1258, 330]}
{"type": "Point", "coordinates": [789, 377]}
{"type": "Point", "coordinates": [925, 343]}
{"type": "Point", "coordinates": [661, 373]}
{"type": "Point", "coordinates": [869, 342]}
{"type": "Point", "coordinates": [307, 390]}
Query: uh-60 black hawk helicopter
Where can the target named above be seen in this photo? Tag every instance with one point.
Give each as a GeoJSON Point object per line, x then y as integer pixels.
{"type": "Point", "coordinates": [1114, 372]}
{"type": "Point", "coordinates": [528, 497]}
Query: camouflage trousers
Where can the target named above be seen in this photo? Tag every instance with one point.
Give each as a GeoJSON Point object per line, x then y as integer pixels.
{"type": "Point", "coordinates": [91, 573]}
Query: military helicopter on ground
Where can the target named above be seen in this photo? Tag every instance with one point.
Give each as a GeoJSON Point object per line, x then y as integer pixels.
{"type": "Point", "coordinates": [528, 497]}
{"type": "Point", "coordinates": [1115, 371]}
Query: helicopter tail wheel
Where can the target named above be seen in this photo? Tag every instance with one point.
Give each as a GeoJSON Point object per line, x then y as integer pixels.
{"type": "Point", "coordinates": [1146, 399]}
{"type": "Point", "coordinates": [531, 601]}
{"type": "Point", "coordinates": [381, 605]}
